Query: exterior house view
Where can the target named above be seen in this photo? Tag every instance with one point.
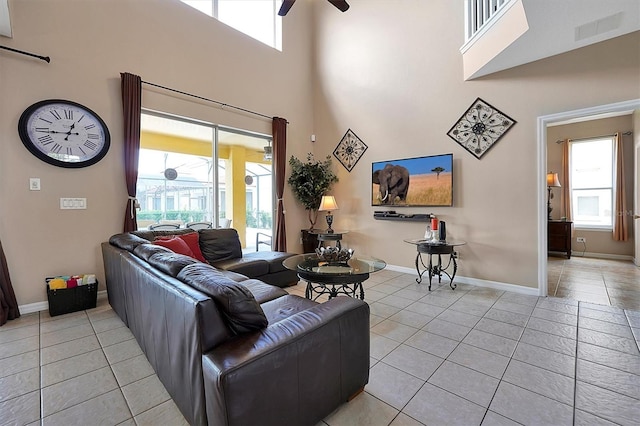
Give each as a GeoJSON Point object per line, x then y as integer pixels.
{"type": "Point", "coordinates": [526, 312]}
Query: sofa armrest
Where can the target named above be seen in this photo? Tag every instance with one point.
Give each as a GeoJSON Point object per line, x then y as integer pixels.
{"type": "Point", "coordinates": [301, 367]}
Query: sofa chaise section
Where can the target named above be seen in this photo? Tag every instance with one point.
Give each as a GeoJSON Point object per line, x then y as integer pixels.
{"type": "Point", "coordinates": [295, 366]}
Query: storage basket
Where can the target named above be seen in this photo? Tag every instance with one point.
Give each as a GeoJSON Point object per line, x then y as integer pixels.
{"type": "Point", "coordinates": [66, 300]}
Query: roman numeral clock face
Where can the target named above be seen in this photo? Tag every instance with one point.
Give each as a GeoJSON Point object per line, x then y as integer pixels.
{"type": "Point", "coordinates": [64, 133]}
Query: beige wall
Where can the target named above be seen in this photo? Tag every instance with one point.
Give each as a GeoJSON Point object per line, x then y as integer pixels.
{"type": "Point", "coordinates": [90, 43]}
{"type": "Point", "coordinates": [394, 76]}
{"type": "Point", "coordinates": [600, 242]}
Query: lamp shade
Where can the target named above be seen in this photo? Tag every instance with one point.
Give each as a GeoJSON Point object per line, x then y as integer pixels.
{"type": "Point", "coordinates": [328, 203]}
{"type": "Point", "coordinates": [552, 180]}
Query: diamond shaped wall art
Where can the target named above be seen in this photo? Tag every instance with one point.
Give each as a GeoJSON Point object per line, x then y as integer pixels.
{"type": "Point", "coordinates": [480, 128]}
{"type": "Point", "coordinates": [349, 150]}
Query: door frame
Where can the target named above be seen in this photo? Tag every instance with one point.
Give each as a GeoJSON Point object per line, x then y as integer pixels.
{"type": "Point", "coordinates": [584, 114]}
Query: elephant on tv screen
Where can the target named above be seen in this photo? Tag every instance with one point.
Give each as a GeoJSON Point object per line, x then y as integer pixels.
{"type": "Point", "coordinates": [394, 183]}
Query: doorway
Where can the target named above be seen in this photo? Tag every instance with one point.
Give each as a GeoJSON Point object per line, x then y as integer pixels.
{"type": "Point", "coordinates": [543, 122]}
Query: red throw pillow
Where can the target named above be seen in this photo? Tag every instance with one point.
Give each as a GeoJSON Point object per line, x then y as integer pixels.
{"type": "Point", "coordinates": [193, 241]}
{"type": "Point", "coordinates": [176, 245]}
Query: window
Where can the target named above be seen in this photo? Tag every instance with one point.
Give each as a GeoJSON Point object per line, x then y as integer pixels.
{"type": "Point", "coordinates": [190, 171]}
{"type": "Point", "coordinates": [171, 205]}
{"type": "Point", "coordinates": [256, 18]}
{"type": "Point", "coordinates": [592, 183]}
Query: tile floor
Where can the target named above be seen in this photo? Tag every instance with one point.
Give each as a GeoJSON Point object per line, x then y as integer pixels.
{"type": "Point", "coordinates": [470, 356]}
{"type": "Point", "coordinates": [606, 282]}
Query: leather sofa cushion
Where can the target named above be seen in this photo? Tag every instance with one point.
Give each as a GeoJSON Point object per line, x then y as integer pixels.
{"type": "Point", "coordinates": [249, 267]}
{"type": "Point", "coordinates": [283, 307]}
{"type": "Point", "coordinates": [233, 275]}
{"type": "Point", "coordinates": [273, 258]}
{"type": "Point", "coordinates": [170, 263]}
{"type": "Point", "coordinates": [152, 235]}
{"type": "Point", "coordinates": [263, 292]}
{"type": "Point", "coordinates": [281, 279]}
{"type": "Point", "coordinates": [127, 241]}
{"type": "Point", "coordinates": [240, 309]}
{"type": "Point", "coordinates": [220, 244]}
{"type": "Point", "coordinates": [145, 251]}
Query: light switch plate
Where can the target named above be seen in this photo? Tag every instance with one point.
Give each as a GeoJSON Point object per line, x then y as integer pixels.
{"type": "Point", "coordinates": [73, 203]}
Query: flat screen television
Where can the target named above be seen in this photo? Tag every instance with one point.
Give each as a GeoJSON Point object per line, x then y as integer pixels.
{"type": "Point", "coordinates": [413, 182]}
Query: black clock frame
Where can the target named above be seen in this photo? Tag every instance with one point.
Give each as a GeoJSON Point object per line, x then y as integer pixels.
{"type": "Point", "coordinates": [30, 145]}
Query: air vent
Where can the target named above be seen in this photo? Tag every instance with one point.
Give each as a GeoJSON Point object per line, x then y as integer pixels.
{"type": "Point", "coordinates": [599, 26]}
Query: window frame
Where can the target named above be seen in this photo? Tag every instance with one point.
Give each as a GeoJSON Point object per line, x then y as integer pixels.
{"type": "Point", "coordinates": [276, 38]}
{"type": "Point", "coordinates": [580, 225]}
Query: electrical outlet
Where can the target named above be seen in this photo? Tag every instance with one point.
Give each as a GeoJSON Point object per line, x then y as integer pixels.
{"type": "Point", "coordinates": [581, 239]}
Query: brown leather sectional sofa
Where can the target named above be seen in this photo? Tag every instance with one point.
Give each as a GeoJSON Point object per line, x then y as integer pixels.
{"type": "Point", "coordinates": [231, 350]}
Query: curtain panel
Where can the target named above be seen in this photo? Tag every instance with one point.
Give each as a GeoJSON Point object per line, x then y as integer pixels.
{"type": "Point", "coordinates": [131, 111]}
{"type": "Point", "coordinates": [620, 219]}
{"type": "Point", "coordinates": [8, 303]}
{"type": "Point", "coordinates": [279, 132]}
{"type": "Point", "coordinates": [565, 181]}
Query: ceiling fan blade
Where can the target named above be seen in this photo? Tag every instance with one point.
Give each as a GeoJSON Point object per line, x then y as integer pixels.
{"type": "Point", "coordinates": [286, 5]}
{"type": "Point", "coordinates": [342, 5]}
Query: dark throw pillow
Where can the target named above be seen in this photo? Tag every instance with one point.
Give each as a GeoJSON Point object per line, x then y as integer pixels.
{"type": "Point", "coordinates": [220, 244]}
{"type": "Point", "coordinates": [238, 306]}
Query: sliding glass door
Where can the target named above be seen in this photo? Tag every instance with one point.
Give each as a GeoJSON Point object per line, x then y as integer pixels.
{"type": "Point", "coordinates": [178, 183]}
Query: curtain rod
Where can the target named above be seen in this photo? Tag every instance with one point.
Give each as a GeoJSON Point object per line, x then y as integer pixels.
{"type": "Point", "coordinates": [596, 137]}
{"type": "Point", "coordinates": [22, 52]}
{"type": "Point", "coordinates": [222, 104]}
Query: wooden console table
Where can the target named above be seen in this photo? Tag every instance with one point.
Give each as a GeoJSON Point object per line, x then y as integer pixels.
{"type": "Point", "coordinates": [559, 236]}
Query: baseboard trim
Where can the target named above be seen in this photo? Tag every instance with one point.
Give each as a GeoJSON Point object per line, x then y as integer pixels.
{"type": "Point", "coordinates": [497, 285]}
{"type": "Point", "coordinates": [30, 308]}
{"type": "Point", "coordinates": [602, 256]}
{"type": "Point", "coordinates": [533, 291]}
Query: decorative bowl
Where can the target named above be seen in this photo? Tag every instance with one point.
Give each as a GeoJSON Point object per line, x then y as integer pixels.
{"type": "Point", "coordinates": [333, 254]}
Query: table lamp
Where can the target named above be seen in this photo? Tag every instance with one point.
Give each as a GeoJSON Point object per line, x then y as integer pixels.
{"type": "Point", "coordinates": [327, 204]}
{"type": "Point", "coordinates": [552, 182]}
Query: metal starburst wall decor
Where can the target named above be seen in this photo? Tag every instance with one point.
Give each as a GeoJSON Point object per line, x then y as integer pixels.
{"type": "Point", "coordinates": [349, 150]}
{"type": "Point", "coordinates": [480, 128]}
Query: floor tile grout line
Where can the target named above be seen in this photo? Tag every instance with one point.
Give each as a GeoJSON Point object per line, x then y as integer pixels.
{"type": "Point", "coordinates": [582, 307]}
{"type": "Point", "coordinates": [575, 367]}
{"type": "Point", "coordinates": [41, 405]}
{"type": "Point", "coordinates": [119, 387]}
{"type": "Point", "coordinates": [501, 379]}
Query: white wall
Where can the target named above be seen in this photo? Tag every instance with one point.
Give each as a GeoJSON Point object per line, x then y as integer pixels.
{"type": "Point", "coordinates": [90, 43]}
{"type": "Point", "coordinates": [393, 74]}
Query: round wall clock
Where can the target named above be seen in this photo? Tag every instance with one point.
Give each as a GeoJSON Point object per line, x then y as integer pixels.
{"type": "Point", "coordinates": [64, 133]}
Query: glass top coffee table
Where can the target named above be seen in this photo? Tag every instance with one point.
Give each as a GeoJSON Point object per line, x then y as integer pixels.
{"type": "Point", "coordinates": [333, 278]}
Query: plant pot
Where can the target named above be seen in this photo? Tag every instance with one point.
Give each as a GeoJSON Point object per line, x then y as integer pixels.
{"type": "Point", "coordinates": [309, 240]}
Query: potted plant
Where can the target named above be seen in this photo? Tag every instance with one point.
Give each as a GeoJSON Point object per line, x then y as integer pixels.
{"type": "Point", "coordinates": [310, 180]}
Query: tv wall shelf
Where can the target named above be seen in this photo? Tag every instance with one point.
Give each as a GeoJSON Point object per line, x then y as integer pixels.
{"type": "Point", "coordinates": [408, 217]}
